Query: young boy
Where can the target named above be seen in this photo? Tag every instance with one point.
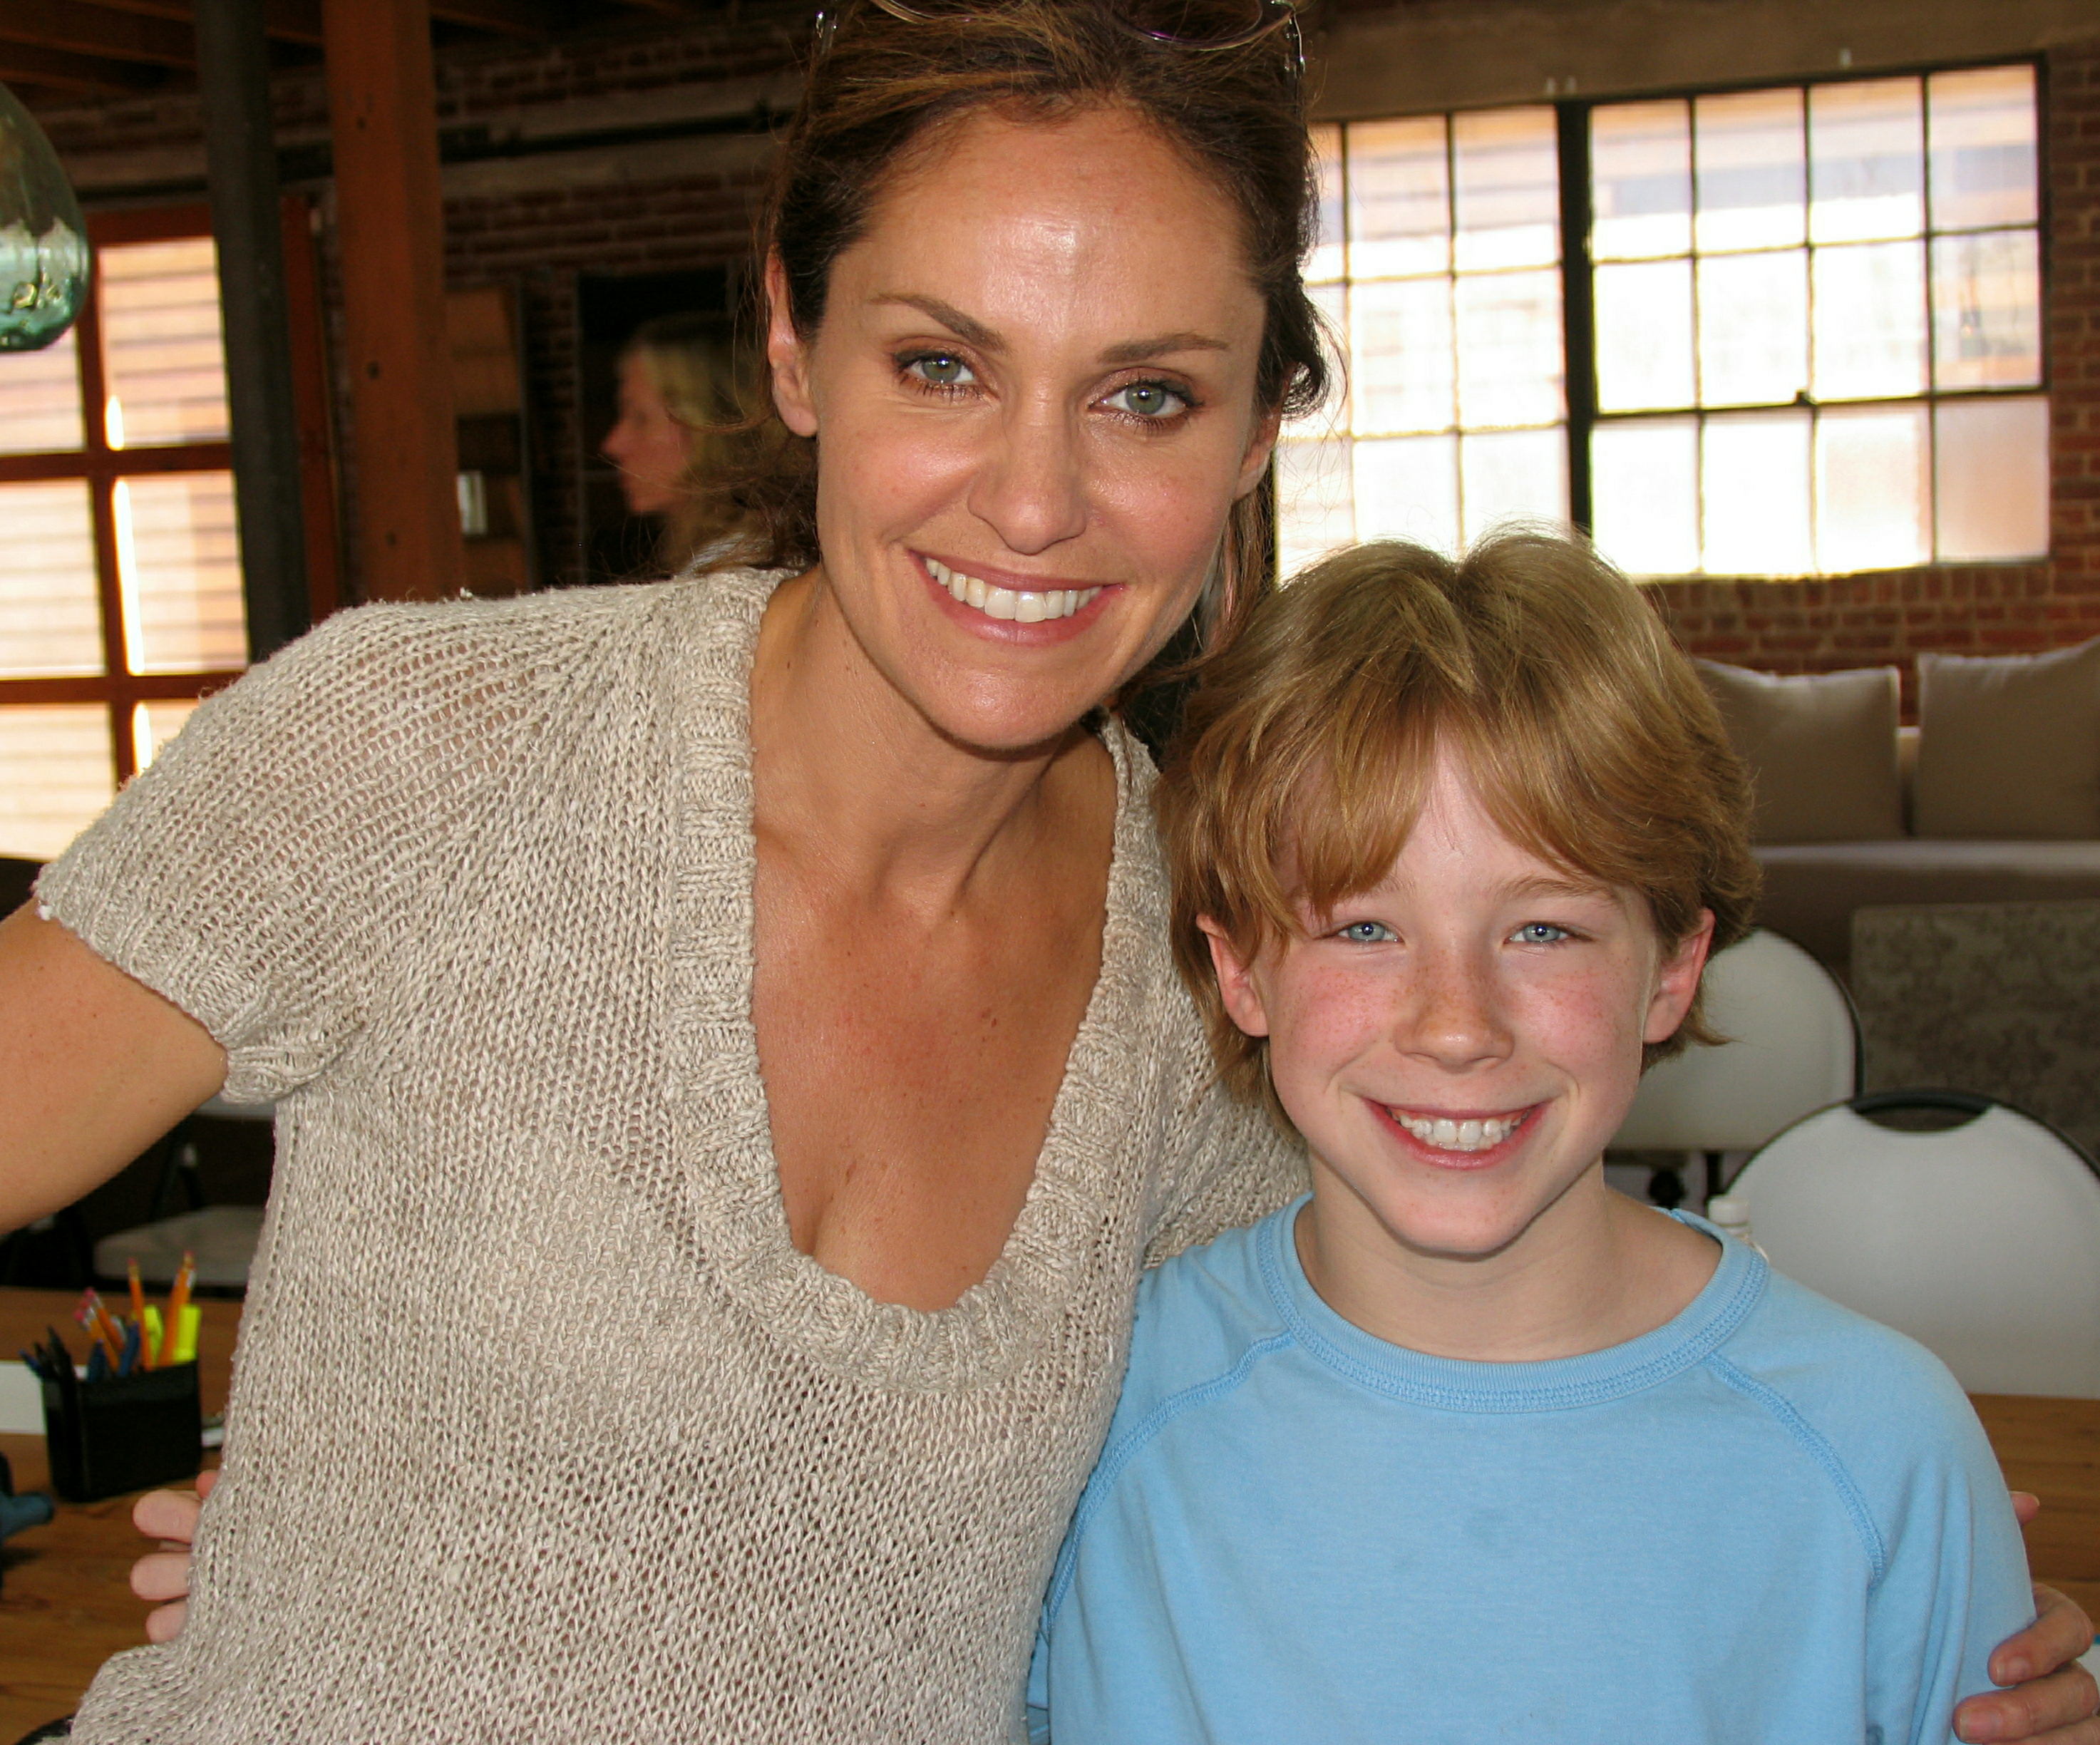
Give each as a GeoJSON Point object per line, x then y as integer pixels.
{"type": "Point", "coordinates": [1405, 1461]}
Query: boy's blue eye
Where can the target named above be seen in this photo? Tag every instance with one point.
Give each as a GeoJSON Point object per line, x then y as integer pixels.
{"type": "Point", "coordinates": [1541, 933]}
{"type": "Point", "coordinates": [1365, 933]}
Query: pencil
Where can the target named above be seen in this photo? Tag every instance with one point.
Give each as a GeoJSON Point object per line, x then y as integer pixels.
{"type": "Point", "coordinates": [138, 1296]}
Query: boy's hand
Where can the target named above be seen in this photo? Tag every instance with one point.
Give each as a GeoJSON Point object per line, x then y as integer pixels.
{"type": "Point", "coordinates": [171, 1516]}
{"type": "Point", "coordinates": [2055, 1708]}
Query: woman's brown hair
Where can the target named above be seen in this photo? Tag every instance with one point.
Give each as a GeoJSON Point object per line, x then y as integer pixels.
{"type": "Point", "coordinates": [885, 86]}
{"type": "Point", "coordinates": [1307, 745]}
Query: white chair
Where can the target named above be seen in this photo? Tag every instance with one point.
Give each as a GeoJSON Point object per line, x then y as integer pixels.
{"type": "Point", "coordinates": [1793, 1047]}
{"type": "Point", "coordinates": [1981, 1241]}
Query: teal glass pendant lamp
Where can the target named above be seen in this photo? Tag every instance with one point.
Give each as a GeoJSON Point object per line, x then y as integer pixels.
{"type": "Point", "coordinates": [44, 257]}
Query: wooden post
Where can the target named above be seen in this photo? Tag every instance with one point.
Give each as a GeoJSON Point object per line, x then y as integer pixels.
{"type": "Point", "coordinates": [233, 68]}
{"type": "Point", "coordinates": [390, 214]}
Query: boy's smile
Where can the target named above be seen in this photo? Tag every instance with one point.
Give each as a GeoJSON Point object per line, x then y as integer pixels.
{"type": "Point", "coordinates": [1458, 1044]}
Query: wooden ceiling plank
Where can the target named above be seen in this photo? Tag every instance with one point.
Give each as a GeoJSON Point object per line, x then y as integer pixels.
{"type": "Point", "coordinates": [285, 20]}
{"type": "Point", "coordinates": [28, 64]}
{"type": "Point", "coordinates": [509, 18]}
{"type": "Point", "coordinates": [83, 28]}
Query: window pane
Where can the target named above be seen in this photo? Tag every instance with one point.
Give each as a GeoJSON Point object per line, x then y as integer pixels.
{"type": "Point", "coordinates": [178, 558]}
{"type": "Point", "coordinates": [55, 776]}
{"type": "Point", "coordinates": [1991, 468]}
{"type": "Point", "coordinates": [1753, 176]}
{"type": "Point", "coordinates": [153, 725]}
{"type": "Point", "coordinates": [1409, 490]}
{"type": "Point", "coordinates": [40, 398]}
{"type": "Point", "coordinates": [1399, 197]}
{"type": "Point", "coordinates": [1326, 260]}
{"type": "Point", "coordinates": [49, 623]}
{"type": "Point", "coordinates": [1866, 155]}
{"type": "Point", "coordinates": [1509, 349]}
{"type": "Point", "coordinates": [1754, 483]}
{"type": "Point", "coordinates": [1506, 474]}
{"type": "Point", "coordinates": [1869, 321]}
{"type": "Point", "coordinates": [1644, 336]}
{"type": "Point", "coordinates": [1872, 489]}
{"type": "Point", "coordinates": [1987, 309]}
{"type": "Point", "coordinates": [1752, 328]}
{"type": "Point", "coordinates": [160, 351]}
{"type": "Point", "coordinates": [1982, 148]}
{"type": "Point", "coordinates": [1644, 489]}
{"type": "Point", "coordinates": [1508, 170]}
{"type": "Point", "coordinates": [1640, 181]}
{"type": "Point", "coordinates": [1313, 515]}
{"type": "Point", "coordinates": [1402, 367]}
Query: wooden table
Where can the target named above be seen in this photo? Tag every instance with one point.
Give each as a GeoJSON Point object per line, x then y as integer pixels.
{"type": "Point", "coordinates": [67, 1606]}
{"type": "Point", "coordinates": [65, 1598]}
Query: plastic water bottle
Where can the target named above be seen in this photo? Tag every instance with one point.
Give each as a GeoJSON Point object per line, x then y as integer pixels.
{"type": "Point", "coordinates": [1730, 1214]}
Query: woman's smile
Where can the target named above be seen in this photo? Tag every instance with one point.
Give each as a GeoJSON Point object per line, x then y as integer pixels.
{"type": "Point", "coordinates": [1015, 608]}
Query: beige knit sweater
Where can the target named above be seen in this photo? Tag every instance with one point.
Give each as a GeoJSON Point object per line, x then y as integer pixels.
{"type": "Point", "coordinates": [541, 1429]}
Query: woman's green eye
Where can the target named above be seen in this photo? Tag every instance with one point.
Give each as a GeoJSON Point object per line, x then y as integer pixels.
{"type": "Point", "coordinates": [941, 369]}
{"type": "Point", "coordinates": [1148, 399]}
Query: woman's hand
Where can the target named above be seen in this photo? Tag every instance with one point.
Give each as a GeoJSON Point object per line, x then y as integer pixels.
{"type": "Point", "coordinates": [164, 1575]}
{"type": "Point", "coordinates": [2055, 1700]}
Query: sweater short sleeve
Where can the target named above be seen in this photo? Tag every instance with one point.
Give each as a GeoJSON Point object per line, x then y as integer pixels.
{"type": "Point", "coordinates": [264, 873]}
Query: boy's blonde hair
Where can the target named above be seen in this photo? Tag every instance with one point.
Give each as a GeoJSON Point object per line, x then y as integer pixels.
{"type": "Point", "coordinates": [1306, 747]}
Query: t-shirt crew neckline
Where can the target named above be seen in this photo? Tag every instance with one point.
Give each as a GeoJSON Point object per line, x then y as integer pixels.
{"type": "Point", "coordinates": [728, 1181]}
{"type": "Point", "coordinates": [1450, 1384]}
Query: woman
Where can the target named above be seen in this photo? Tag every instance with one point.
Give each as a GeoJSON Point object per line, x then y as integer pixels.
{"type": "Point", "coordinates": [678, 440]}
{"type": "Point", "coordinates": [730, 1073]}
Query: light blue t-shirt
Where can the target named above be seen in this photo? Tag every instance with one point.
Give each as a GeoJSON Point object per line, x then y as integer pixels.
{"type": "Point", "coordinates": [1298, 1532]}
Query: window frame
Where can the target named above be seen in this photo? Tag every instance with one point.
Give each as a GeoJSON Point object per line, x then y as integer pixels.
{"type": "Point", "coordinates": [117, 688]}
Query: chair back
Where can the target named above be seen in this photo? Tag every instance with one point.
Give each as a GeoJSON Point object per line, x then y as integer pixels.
{"type": "Point", "coordinates": [1981, 1241]}
{"type": "Point", "coordinates": [1793, 1047]}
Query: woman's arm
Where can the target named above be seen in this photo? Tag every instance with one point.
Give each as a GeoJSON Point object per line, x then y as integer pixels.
{"type": "Point", "coordinates": [94, 1068]}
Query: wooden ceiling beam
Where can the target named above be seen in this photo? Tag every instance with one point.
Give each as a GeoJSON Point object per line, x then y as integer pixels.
{"type": "Point", "coordinates": [80, 75]}
{"type": "Point", "coordinates": [80, 29]}
{"type": "Point", "coordinates": [285, 20]}
{"type": "Point", "coordinates": [509, 18]}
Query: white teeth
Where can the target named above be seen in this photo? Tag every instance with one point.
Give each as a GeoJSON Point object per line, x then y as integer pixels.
{"type": "Point", "coordinates": [1446, 1134]}
{"type": "Point", "coordinates": [1009, 604]}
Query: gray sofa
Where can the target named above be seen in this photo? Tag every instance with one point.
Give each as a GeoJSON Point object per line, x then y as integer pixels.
{"type": "Point", "coordinates": [1994, 797]}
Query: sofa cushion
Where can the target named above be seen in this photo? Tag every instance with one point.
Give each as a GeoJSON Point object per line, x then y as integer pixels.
{"type": "Point", "coordinates": [1812, 889]}
{"type": "Point", "coordinates": [1822, 749]}
{"type": "Point", "coordinates": [2009, 745]}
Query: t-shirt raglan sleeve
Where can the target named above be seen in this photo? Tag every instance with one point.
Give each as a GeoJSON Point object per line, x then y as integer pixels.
{"type": "Point", "coordinates": [1955, 1581]}
{"type": "Point", "coordinates": [266, 872]}
{"type": "Point", "coordinates": [1952, 1581]}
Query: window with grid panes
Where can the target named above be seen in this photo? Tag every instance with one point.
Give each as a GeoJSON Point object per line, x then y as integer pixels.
{"type": "Point", "coordinates": [120, 578]}
{"type": "Point", "coordinates": [1814, 330]}
{"type": "Point", "coordinates": [1439, 267]}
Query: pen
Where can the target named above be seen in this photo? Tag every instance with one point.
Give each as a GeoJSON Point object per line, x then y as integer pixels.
{"type": "Point", "coordinates": [128, 1361]}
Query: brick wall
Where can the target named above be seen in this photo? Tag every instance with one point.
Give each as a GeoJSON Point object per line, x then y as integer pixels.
{"type": "Point", "coordinates": [1865, 620]}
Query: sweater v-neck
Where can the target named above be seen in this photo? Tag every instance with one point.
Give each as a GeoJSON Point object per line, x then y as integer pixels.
{"type": "Point", "coordinates": [726, 1192]}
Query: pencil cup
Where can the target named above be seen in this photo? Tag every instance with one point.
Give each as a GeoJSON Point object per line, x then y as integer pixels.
{"type": "Point", "coordinates": [105, 1438]}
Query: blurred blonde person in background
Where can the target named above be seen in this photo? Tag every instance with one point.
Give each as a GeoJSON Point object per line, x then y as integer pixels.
{"type": "Point", "coordinates": [679, 442]}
